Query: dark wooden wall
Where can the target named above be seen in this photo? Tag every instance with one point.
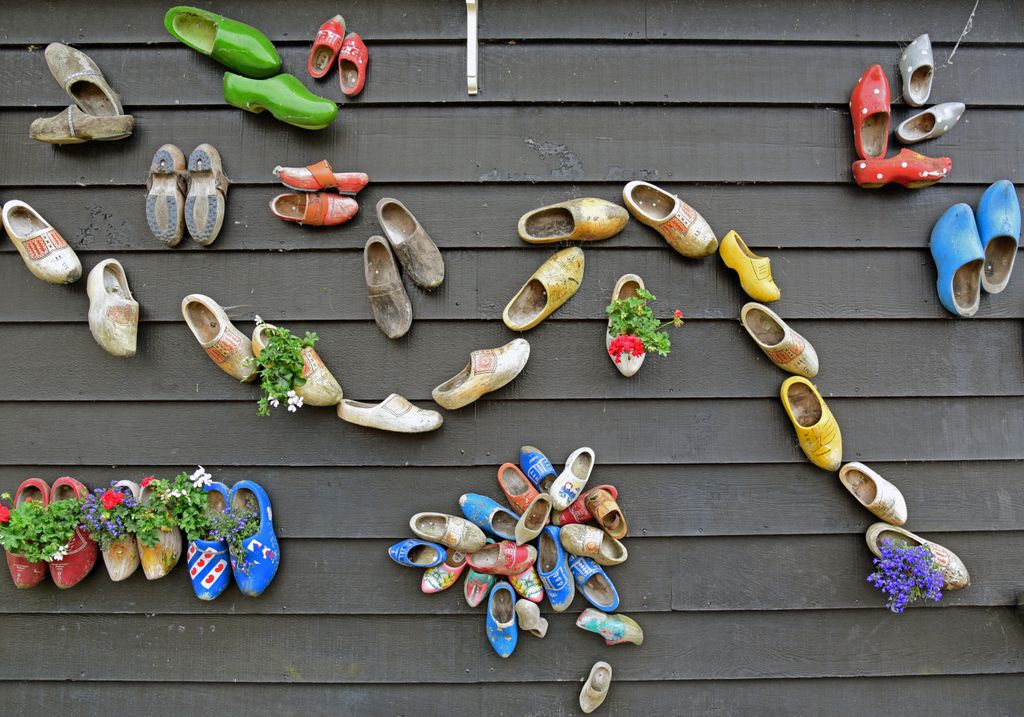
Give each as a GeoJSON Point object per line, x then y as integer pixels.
{"type": "Point", "coordinates": [747, 564]}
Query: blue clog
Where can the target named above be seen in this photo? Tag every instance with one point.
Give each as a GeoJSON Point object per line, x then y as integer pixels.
{"type": "Point", "coordinates": [502, 625]}
{"type": "Point", "coordinates": [553, 569]}
{"type": "Point", "coordinates": [256, 567]}
{"type": "Point", "coordinates": [417, 553]}
{"type": "Point", "coordinates": [208, 560]}
{"type": "Point", "coordinates": [487, 514]}
{"type": "Point", "coordinates": [999, 229]}
{"type": "Point", "coordinates": [537, 468]}
{"type": "Point", "coordinates": [960, 259]}
{"type": "Point", "coordinates": [594, 583]}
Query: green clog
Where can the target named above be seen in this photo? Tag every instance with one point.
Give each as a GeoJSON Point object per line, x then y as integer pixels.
{"type": "Point", "coordinates": [286, 98]}
{"type": "Point", "coordinates": [241, 47]}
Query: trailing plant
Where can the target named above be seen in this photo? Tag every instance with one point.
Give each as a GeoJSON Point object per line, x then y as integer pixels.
{"type": "Point", "coordinates": [235, 526]}
{"type": "Point", "coordinates": [635, 329]}
{"type": "Point", "coordinates": [39, 533]}
{"type": "Point", "coordinates": [182, 501]}
{"type": "Point", "coordinates": [280, 366]}
{"type": "Point", "coordinates": [154, 515]}
{"type": "Point", "coordinates": [109, 515]}
{"type": "Point", "coordinates": [905, 574]}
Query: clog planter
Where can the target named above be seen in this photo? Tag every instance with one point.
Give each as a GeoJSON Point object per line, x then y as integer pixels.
{"type": "Point", "coordinates": [255, 565]}
{"type": "Point", "coordinates": [320, 387]}
{"type": "Point", "coordinates": [615, 629]}
{"type": "Point", "coordinates": [26, 573]}
{"type": "Point", "coordinates": [78, 557]}
{"type": "Point", "coordinates": [208, 560]}
{"type": "Point", "coordinates": [954, 571]}
{"type": "Point", "coordinates": [159, 558]}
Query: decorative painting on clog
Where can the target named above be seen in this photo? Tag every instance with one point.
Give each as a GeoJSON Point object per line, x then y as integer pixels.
{"type": "Point", "coordinates": [256, 567]}
{"type": "Point", "coordinates": [504, 558]}
{"type": "Point", "coordinates": [578, 511]}
{"type": "Point", "coordinates": [679, 224]}
{"type": "Point", "coordinates": [528, 584]}
{"type": "Point", "coordinates": [42, 248]}
{"type": "Point", "coordinates": [352, 61]}
{"type": "Point", "coordinates": [325, 46]}
{"type": "Point", "coordinates": [917, 68]}
{"type": "Point", "coordinates": [869, 110]}
{"type": "Point", "coordinates": [785, 347]}
{"type": "Point", "coordinates": [593, 582]}
{"type": "Point", "coordinates": [443, 576]}
{"type": "Point", "coordinates": [537, 468]}
{"type": "Point", "coordinates": [553, 569]}
{"type": "Point", "coordinates": [999, 231]}
{"type": "Point", "coordinates": [573, 478]}
{"type": "Point", "coordinates": [477, 585]}
{"type": "Point", "coordinates": [209, 562]}
{"type": "Point", "coordinates": [226, 346]}
{"type": "Point", "coordinates": [615, 629]}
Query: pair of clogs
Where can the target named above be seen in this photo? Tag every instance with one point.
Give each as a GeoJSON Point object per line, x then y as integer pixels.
{"type": "Point", "coordinates": [315, 204]}
{"type": "Point", "coordinates": [113, 311]}
{"type": "Point", "coordinates": [42, 248]}
{"type": "Point", "coordinates": [975, 251]}
{"type": "Point", "coordinates": [487, 370]}
{"type": "Point", "coordinates": [332, 44]}
{"type": "Point", "coordinates": [192, 196]}
{"type": "Point", "coordinates": [96, 113]}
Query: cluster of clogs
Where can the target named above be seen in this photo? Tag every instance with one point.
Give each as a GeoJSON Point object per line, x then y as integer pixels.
{"type": "Point", "coordinates": [322, 197]}
{"type": "Point", "coordinates": [257, 84]}
{"type": "Point", "coordinates": [192, 195]}
{"type": "Point", "coordinates": [331, 45]}
{"type": "Point", "coordinates": [976, 250]}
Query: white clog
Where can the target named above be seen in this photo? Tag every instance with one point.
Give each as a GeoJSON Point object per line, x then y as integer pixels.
{"type": "Point", "coordinates": [113, 312]}
{"type": "Point", "coordinates": [625, 288]}
{"type": "Point", "coordinates": [874, 492]}
{"type": "Point", "coordinates": [226, 346]}
{"type": "Point", "coordinates": [42, 248]}
{"type": "Point", "coordinates": [786, 348]}
{"type": "Point", "coordinates": [394, 414]}
{"type": "Point", "coordinates": [571, 481]}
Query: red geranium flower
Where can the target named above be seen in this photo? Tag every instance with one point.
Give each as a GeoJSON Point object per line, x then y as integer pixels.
{"type": "Point", "coordinates": [112, 498]}
{"type": "Point", "coordinates": [626, 344]}
{"type": "Point", "coordinates": [146, 481]}
{"type": "Point", "coordinates": [678, 314]}
{"type": "Point", "coordinates": [5, 513]}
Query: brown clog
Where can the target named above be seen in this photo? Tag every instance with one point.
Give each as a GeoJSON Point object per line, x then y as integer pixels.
{"type": "Point", "coordinates": [607, 513]}
{"type": "Point", "coordinates": [413, 246]}
{"type": "Point", "coordinates": [206, 201]}
{"type": "Point", "coordinates": [165, 198]}
{"type": "Point", "coordinates": [72, 126]}
{"type": "Point", "coordinates": [389, 301]}
{"type": "Point", "coordinates": [314, 210]}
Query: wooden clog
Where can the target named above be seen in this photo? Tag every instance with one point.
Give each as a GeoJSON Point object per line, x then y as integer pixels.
{"type": "Point", "coordinates": [574, 476]}
{"type": "Point", "coordinates": [448, 530]}
{"type": "Point", "coordinates": [502, 627]}
{"type": "Point", "coordinates": [530, 619]}
{"type": "Point", "coordinates": [414, 248]}
{"type": "Point", "coordinates": [320, 388]}
{"type": "Point", "coordinates": [999, 222]}
{"type": "Point", "coordinates": [917, 68]}
{"type": "Point", "coordinates": [553, 569]}
{"type": "Point", "coordinates": [593, 583]}
{"type": "Point", "coordinates": [591, 542]}
{"type": "Point", "coordinates": [554, 283]}
{"type": "Point", "coordinates": [443, 576]}
{"type": "Point", "coordinates": [870, 112]}
{"type": "Point", "coordinates": [206, 201]}
{"type": "Point", "coordinates": [504, 558]}
{"type": "Point", "coordinates": [755, 271]}
{"type": "Point", "coordinates": [816, 427]}
{"type": "Point", "coordinates": [72, 126]}
{"type": "Point", "coordinates": [477, 585]}
{"type": "Point", "coordinates": [159, 559]}
{"type": "Point", "coordinates": [537, 468]}
{"type": "Point", "coordinates": [488, 515]}
{"type": "Point", "coordinates": [874, 492]}
{"type": "Point", "coordinates": [42, 248]}
{"type": "Point", "coordinates": [681, 225]}
{"type": "Point", "coordinates": [82, 80]}
{"type": "Point", "coordinates": [785, 347]}
{"type": "Point", "coordinates": [122, 557]}
{"type": "Point", "coordinates": [394, 413]}
{"type": "Point", "coordinates": [325, 46]}
{"type": "Point", "coordinates": [352, 61]}
{"type": "Point", "coordinates": [908, 169]}
{"type": "Point", "coordinates": [81, 552]}
{"type": "Point", "coordinates": [527, 584]}
{"type": "Point", "coordinates": [931, 123]}
{"type": "Point", "coordinates": [533, 519]}
{"type": "Point", "coordinates": [389, 302]}
{"type": "Point", "coordinates": [584, 219]}
{"type": "Point", "coordinates": [960, 259]}
{"type": "Point", "coordinates": [165, 196]}
{"type": "Point", "coordinates": [209, 561]}
{"type": "Point", "coordinates": [234, 44]}
{"type": "Point", "coordinates": [607, 513]}
{"type": "Point", "coordinates": [577, 512]}
{"type": "Point", "coordinates": [625, 288]}
{"type": "Point", "coordinates": [283, 96]}
{"type": "Point", "coordinates": [23, 573]}
{"type": "Point", "coordinates": [595, 689]}
{"type": "Point", "coordinates": [226, 346]}
{"type": "Point", "coordinates": [113, 311]}
{"type": "Point", "coordinates": [518, 489]}
{"type": "Point", "coordinates": [615, 629]}
{"type": "Point", "coordinates": [487, 370]}
{"type": "Point", "coordinates": [255, 567]}
{"type": "Point", "coordinates": [954, 572]}
{"type": "Point", "coordinates": [417, 553]}
{"type": "Point", "coordinates": [321, 177]}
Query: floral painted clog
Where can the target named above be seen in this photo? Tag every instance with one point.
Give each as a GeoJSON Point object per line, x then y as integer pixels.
{"type": "Point", "coordinates": [113, 311]}
{"type": "Point", "coordinates": [625, 288]}
{"type": "Point", "coordinates": [785, 347]}
{"type": "Point", "coordinates": [869, 110]}
{"type": "Point", "coordinates": [679, 224]}
{"type": "Point", "coordinates": [553, 284]}
{"type": "Point", "coordinates": [593, 582]}
{"type": "Point", "coordinates": [553, 569]}
{"type": "Point", "coordinates": [417, 553]}
{"type": "Point", "coordinates": [606, 512]}
{"type": "Point", "coordinates": [917, 68]}
{"type": "Point", "coordinates": [320, 388]}
{"type": "Point", "coordinates": [165, 195]}
{"type": "Point", "coordinates": [226, 346]}
{"type": "Point", "coordinates": [504, 558]}
{"type": "Point", "coordinates": [209, 563]}
{"type": "Point", "coordinates": [257, 565]}
{"type": "Point", "coordinates": [578, 511]}
{"type": "Point", "coordinates": [394, 413]}
{"type": "Point", "coordinates": [584, 219]}
{"type": "Point", "coordinates": [874, 492]}
{"type": "Point", "coordinates": [960, 259]}
{"type": "Point", "coordinates": [416, 251]}
{"type": "Point", "coordinates": [816, 427]}
{"type": "Point", "coordinates": [615, 629]}
{"type": "Point", "coordinates": [443, 576]}
{"type": "Point", "coordinates": [488, 515]}
{"type": "Point", "coordinates": [502, 625]}
{"type": "Point", "coordinates": [234, 44]}
{"type": "Point", "coordinates": [477, 585]}
{"type": "Point", "coordinates": [78, 557]}
{"type": "Point", "coordinates": [530, 619]}
{"type": "Point", "coordinates": [518, 490]}
{"type": "Point", "coordinates": [537, 468]}
{"type": "Point", "coordinates": [206, 202]}
{"type": "Point", "coordinates": [595, 689]}
{"type": "Point", "coordinates": [487, 370]}
{"type": "Point", "coordinates": [325, 47]}
{"type": "Point", "coordinates": [82, 80]}
{"type": "Point", "coordinates": [755, 271]}
{"type": "Point", "coordinates": [533, 519]}
{"type": "Point", "coordinates": [283, 96]}
{"type": "Point", "coordinates": [573, 478]}
{"type": "Point", "coordinates": [954, 572]}
{"type": "Point", "coordinates": [23, 573]}
{"type": "Point", "coordinates": [590, 542]}
{"type": "Point", "coordinates": [385, 291]}
{"type": "Point", "coordinates": [314, 210]}
{"type": "Point", "coordinates": [931, 123]}
{"type": "Point", "coordinates": [528, 584]}
{"type": "Point", "coordinates": [352, 61]}
{"type": "Point", "coordinates": [320, 177]}
{"type": "Point", "coordinates": [999, 231]}
{"type": "Point", "coordinates": [42, 248]}
{"type": "Point", "coordinates": [448, 530]}
{"type": "Point", "coordinates": [908, 169]}
{"type": "Point", "coordinates": [159, 558]}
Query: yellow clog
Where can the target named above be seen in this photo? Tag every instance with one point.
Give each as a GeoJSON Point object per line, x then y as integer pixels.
{"type": "Point", "coordinates": [584, 219]}
{"type": "Point", "coordinates": [755, 271]}
{"type": "Point", "coordinates": [551, 285]}
{"type": "Point", "coordinates": [816, 427]}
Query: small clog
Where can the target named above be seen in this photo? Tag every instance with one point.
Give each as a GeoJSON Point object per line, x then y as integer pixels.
{"type": "Point", "coordinates": [593, 583]}
{"type": "Point", "coordinates": [573, 478]}
{"type": "Point", "coordinates": [234, 44]}
{"type": "Point", "coordinates": [816, 427]}
{"type": "Point", "coordinates": [615, 629]}
{"type": "Point", "coordinates": [908, 169]}
{"type": "Point", "coordinates": [504, 558]}
{"type": "Point", "coordinates": [389, 301]}
{"type": "Point", "coordinates": [209, 562]}
{"type": "Point", "coordinates": [486, 514]}
{"type": "Point", "coordinates": [537, 468]}
{"type": "Point", "coordinates": [553, 569]}
{"type": "Point", "coordinates": [206, 201]}
{"type": "Point", "coordinates": [518, 489]}
{"type": "Point", "coordinates": [681, 225]}
{"type": "Point", "coordinates": [443, 576]}
{"type": "Point", "coordinates": [161, 557]}
{"type": "Point", "coordinates": [578, 512]}
{"type": "Point", "coordinates": [416, 251]}
{"type": "Point", "coordinates": [606, 512]}
{"type": "Point", "coordinates": [42, 248]}
{"type": "Point", "coordinates": [528, 584]}
{"type": "Point", "coordinates": [595, 689]}
{"type": "Point", "coordinates": [121, 559]}
{"type": "Point", "coordinates": [999, 231]}
{"type": "Point", "coordinates": [590, 542]}
{"type": "Point", "coordinates": [82, 80]}
{"type": "Point", "coordinates": [954, 572]}
{"type": "Point", "coordinates": [502, 625]}
{"type": "Point", "coordinates": [477, 585]}
{"type": "Point", "coordinates": [352, 61]}
{"type": "Point", "coordinates": [320, 388]}
{"type": "Point", "coordinates": [325, 46]}
{"type": "Point", "coordinates": [917, 68]}
{"type": "Point", "coordinates": [870, 112]}
{"type": "Point", "coordinates": [81, 552]}
{"type": "Point", "coordinates": [113, 311]}
{"type": "Point", "coordinates": [314, 210]}
{"type": "Point", "coordinates": [785, 347]}
{"type": "Point", "coordinates": [258, 565]}
{"type": "Point", "coordinates": [165, 195]}
{"type": "Point", "coordinates": [625, 288]}
{"type": "Point", "coordinates": [394, 413]}
{"type": "Point", "coordinates": [530, 619]}
{"type": "Point", "coordinates": [755, 271]}
{"type": "Point", "coordinates": [72, 126]}
{"type": "Point", "coordinates": [23, 573]}
{"type": "Point", "coordinates": [931, 123]}
{"type": "Point", "coordinates": [417, 553]}
{"type": "Point", "coordinates": [448, 530]}
{"type": "Point", "coordinates": [554, 283]}
{"type": "Point", "coordinates": [874, 492]}
{"type": "Point", "coordinates": [584, 219]}
{"type": "Point", "coordinates": [283, 96]}
{"type": "Point", "coordinates": [487, 370]}
{"type": "Point", "coordinates": [960, 259]}
{"type": "Point", "coordinates": [226, 346]}
{"type": "Point", "coordinates": [534, 518]}
{"type": "Point", "coordinates": [320, 177]}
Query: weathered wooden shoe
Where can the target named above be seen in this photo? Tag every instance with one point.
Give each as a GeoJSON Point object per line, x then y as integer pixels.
{"type": "Point", "coordinates": [755, 271]}
{"type": "Point", "coordinates": [448, 530]}
{"type": "Point", "coordinates": [534, 518]}
{"type": "Point", "coordinates": [417, 553]}
{"type": "Point", "coordinates": [615, 629]}
{"type": "Point", "coordinates": [320, 388]}
{"type": "Point", "coordinates": [874, 492]}
{"type": "Point", "coordinates": [528, 584]}
{"type": "Point", "coordinates": [415, 250]}
{"type": "Point", "coordinates": [537, 468]}
{"type": "Point", "coordinates": [518, 489]}
{"type": "Point", "coordinates": [320, 177]}
{"type": "Point", "coordinates": [209, 561]}
{"type": "Point", "coordinates": [234, 44]}
{"type": "Point", "coordinates": [590, 542]}
{"type": "Point", "coordinates": [504, 558]}
{"type": "Point", "coordinates": [389, 302]}
{"type": "Point", "coordinates": [595, 689]}
{"type": "Point", "coordinates": [554, 283]}
{"type": "Point", "coordinates": [960, 259]}
{"type": "Point", "coordinates": [870, 112]}
{"type": "Point", "coordinates": [165, 196]}
{"type": "Point", "coordinates": [502, 625]}
{"type": "Point", "coordinates": [394, 413]}
{"type": "Point", "coordinates": [159, 559]}
{"type": "Point", "coordinates": [72, 126]}
{"type": "Point", "coordinates": [352, 61]}
{"type": "Point", "coordinates": [206, 201]}
{"type": "Point", "coordinates": [816, 427]}
{"type": "Point", "coordinates": [681, 225]}
{"type": "Point", "coordinates": [487, 370]}
{"type": "Point", "coordinates": [573, 478]}
{"type": "Point", "coordinates": [314, 210]}
{"type": "Point", "coordinates": [42, 248]}
{"type": "Point", "coordinates": [79, 556]}
{"type": "Point", "coordinates": [113, 311]}
{"type": "Point", "coordinates": [625, 288]}
{"type": "Point", "coordinates": [917, 68]}
{"type": "Point", "coordinates": [999, 231]}
{"type": "Point", "coordinates": [82, 80]}
{"type": "Point", "coordinates": [553, 569]}
{"type": "Point", "coordinates": [325, 46]}
{"type": "Point", "coordinates": [931, 123]}
{"type": "Point", "coordinates": [256, 567]}
{"type": "Point", "coordinates": [226, 346]}
{"type": "Point", "coordinates": [486, 514]}
{"type": "Point", "coordinates": [908, 169]}
{"type": "Point", "coordinates": [443, 576]}
{"type": "Point", "coordinates": [585, 219]}
{"type": "Point", "coordinates": [477, 585]}
{"type": "Point", "coordinates": [593, 583]}
{"type": "Point", "coordinates": [23, 573]}
{"type": "Point", "coordinates": [578, 512]}
{"type": "Point", "coordinates": [785, 347]}
{"type": "Point", "coordinates": [954, 572]}
{"type": "Point", "coordinates": [283, 96]}
{"type": "Point", "coordinates": [606, 512]}
{"type": "Point", "coordinates": [121, 559]}
{"type": "Point", "coordinates": [530, 619]}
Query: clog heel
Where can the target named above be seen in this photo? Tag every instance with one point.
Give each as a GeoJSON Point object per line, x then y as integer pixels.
{"type": "Point", "coordinates": [257, 565]}
{"type": "Point", "coordinates": [999, 230]}
{"type": "Point", "coordinates": [960, 259]}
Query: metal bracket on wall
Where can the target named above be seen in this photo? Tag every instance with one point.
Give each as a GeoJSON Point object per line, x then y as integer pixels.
{"type": "Point", "coordinates": [471, 61]}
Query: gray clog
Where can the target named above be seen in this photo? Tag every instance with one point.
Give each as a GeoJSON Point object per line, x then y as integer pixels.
{"type": "Point", "coordinates": [72, 126]}
{"type": "Point", "coordinates": [931, 123]}
{"type": "Point", "coordinates": [917, 68]}
{"type": "Point", "coordinates": [414, 248]}
{"type": "Point", "coordinates": [82, 80]}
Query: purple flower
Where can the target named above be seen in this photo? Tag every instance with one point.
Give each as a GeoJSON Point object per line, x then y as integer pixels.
{"type": "Point", "coordinates": [905, 574]}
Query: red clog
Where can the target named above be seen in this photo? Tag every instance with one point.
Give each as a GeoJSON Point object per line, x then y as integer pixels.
{"type": "Point", "coordinates": [352, 65]}
{"type": "Point", "coordinates": [318, 177]}
{"type": "Point", "coordinates": [577, 512]}
{"type": "Point", "coordinates": [869, 110]}
{"type": "Point", "coordinates": [317, 210]}
{"type": "Point", "coordinates": [80, 554]}
{"type": "Point", "coordinates": [504, 558]}
{"type": "Point", "coordinates": [517, 488]}
{"type": "Point", "coordinates": [23, 573]}
{"type": "Point", "coordinates": [910, 169]}
{"type": "Point", "coordinates": [326, 45]}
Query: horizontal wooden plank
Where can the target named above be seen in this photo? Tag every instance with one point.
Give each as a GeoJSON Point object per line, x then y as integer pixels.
{"type": "Point", "coordinates": [705, 431]}
{"type": "Point", "coordinates": [509, 143]}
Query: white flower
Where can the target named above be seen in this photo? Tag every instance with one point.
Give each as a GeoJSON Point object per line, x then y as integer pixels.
{"type": "Point", "coordinates": [274, 402]}
{"type": "Point", "coordinates": [259, 319]}
{"type": "Point", "coordinates": [291, 394]}
{"type": "Point", "coordinates": [299, 403]}
{"type": "Point", "coordinates": [292, 409]}
{"type": "Point", "coordinates": [201, 479]}
{"type": "Point", "coordinates": [61, 553]}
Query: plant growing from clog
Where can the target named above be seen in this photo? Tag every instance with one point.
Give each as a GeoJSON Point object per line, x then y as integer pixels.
{"type": "Point", "coordinates": [109, 516]}
{"type": "Point", "coordinates": [39, 533]}
{"type": "Point", "coordinates": [280, 367]}
{"type": "Point", "coordinates": [635, 329]}
{"type": "Point", "coordinates": [906, 573]}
